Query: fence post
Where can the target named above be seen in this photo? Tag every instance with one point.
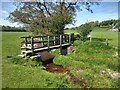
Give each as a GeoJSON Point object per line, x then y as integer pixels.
{"type": "Point", "coordinates": [48, 43]}
{"type": "Point", "coordinates": [32, 45]}
{"type": "Point", "coordinates": [107, 42]}
{"type": "Point", "coordinates": [90, 39]}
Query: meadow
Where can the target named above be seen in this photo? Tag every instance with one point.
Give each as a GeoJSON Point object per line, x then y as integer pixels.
{"type": "Point", "coordinates": [100, 34]}
{"type": "Point", "coordinates": [86, 63]}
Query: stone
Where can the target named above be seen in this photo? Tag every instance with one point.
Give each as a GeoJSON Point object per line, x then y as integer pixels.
{"type": "Point", "coordinates": [46, 57]}
{"type": "Point", "coordinates": [115, 54]}
{"type": "Point", "coordinates": [79, 71]}
{"type": "Point", "coordinates": [71, 50]}
{"type": "Point", "coordinates": [103, 72]}
{"type": "Point", "coordinates": [115, 75]}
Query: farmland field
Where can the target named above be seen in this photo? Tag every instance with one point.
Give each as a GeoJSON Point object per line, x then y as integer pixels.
{"type": "Point", "coordinates": [102, 33]}
{"type": "Point", "coordinates": [86, 63]}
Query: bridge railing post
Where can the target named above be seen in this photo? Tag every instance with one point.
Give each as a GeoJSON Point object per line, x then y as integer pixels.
{"type": "Point", "coordinates": [54, 40]}
{"type": "Point", "coordinates": [60, 40]}
{"type": "Point", "coordinates": [70, 39]}
{"type": "Point", "coordinates": [48, 43]}
{"type": "Point", "coordinates": [65, 38]}
{"type": "Point", "coordinates": [32, 45]}
{"type": "Point", "coordinates": [25, 43]}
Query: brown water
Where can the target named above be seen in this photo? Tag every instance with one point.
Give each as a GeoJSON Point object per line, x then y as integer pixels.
{"type": "Point", "coordinates": [54, 68]}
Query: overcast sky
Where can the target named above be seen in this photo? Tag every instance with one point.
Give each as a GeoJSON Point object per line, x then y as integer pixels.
{"type": "Point", "coordinates": [104, 11]}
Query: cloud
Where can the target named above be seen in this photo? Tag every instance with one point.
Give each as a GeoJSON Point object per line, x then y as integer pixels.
{"type": "Point", "coordinates": [7, 23]}
{"type": "Point", "coordinates": [4, 12]}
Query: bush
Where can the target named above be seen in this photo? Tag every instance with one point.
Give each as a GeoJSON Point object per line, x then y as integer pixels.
{"type": "Point", "coordinates": [84, 31]}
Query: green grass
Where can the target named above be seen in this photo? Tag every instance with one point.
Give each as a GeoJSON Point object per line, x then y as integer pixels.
{"type": "Point", "coordinates": [101, 33]}
{"type": "Point", "coordinates": [71, 31]}
{"type": "Point", "coordinates": [18, 76]}
{"type": "Point", "coordinates": [91, 58]}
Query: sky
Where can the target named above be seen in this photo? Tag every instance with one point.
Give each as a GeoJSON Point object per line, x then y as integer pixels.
{"type": "Point", "coordinates": [104, 11]}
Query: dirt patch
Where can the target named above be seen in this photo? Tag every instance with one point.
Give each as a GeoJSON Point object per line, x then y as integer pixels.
{"type": "Point", "coordinates": [77, 81]}
{"type": "Point", "coordinates": [54, 68]}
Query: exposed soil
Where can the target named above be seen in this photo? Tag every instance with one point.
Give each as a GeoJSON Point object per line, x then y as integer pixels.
{"type": "Point", "coordinates": [54, 68]}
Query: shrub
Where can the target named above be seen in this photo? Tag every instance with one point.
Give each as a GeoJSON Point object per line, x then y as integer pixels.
{"type": "Point", "coordinates": [84, 31]}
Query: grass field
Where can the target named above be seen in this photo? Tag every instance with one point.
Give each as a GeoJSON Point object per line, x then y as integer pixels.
{"type": "Point", "coordinates": [104, 33]}
{"type": "Point", "coordinates": [71, 31]}
{"type": "Point", "coordinates": [86, 63]}
{"type": "Point", "coordinates": [101, 33]}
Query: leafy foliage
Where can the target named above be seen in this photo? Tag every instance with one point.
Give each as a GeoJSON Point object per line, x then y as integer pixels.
{"type": "Point", "coordinates": [47, 17]}
{"type": "Point", "coordinates": [84, 31]}
{"type": "Point", "coordinates": [109, 22]}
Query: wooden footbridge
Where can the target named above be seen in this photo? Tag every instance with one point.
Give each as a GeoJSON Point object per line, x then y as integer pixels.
{"type": "Point", "coordinates": [34, 44]}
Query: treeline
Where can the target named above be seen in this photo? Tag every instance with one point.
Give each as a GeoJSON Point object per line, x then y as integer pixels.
{"type": "Point", "coordinates": [106, 23]}
{"type": "Point", "coordinates": [12, 29]}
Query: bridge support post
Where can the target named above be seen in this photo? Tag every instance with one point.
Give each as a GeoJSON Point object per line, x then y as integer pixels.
{"type": "Point", "coordinates": [63, 50]}
{"type": "Point", "coordinates": [48, 43]}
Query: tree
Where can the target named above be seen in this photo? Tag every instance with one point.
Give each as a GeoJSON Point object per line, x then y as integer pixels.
{"type": "Point", "coordinates": [48, 17]}
{"type": "Point", "coordinates": [108, 22]}
{"type": "Point", "coordinates": [84, 31]}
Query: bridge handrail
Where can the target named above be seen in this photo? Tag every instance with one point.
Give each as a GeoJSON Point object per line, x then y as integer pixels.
{"type": "Point", "coordinates": [68, 38]}
{"type": "Point", "coordinates": [43, 36]}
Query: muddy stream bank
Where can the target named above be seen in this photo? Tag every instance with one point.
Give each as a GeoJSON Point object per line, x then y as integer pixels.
{"type": "Point", "coordinates": [54, 68]}
{"type": "Point", "coordinates": [47, 59]}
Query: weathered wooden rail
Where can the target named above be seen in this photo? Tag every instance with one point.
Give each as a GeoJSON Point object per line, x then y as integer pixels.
{"type": "Point", "coordinates": [34, 44]}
